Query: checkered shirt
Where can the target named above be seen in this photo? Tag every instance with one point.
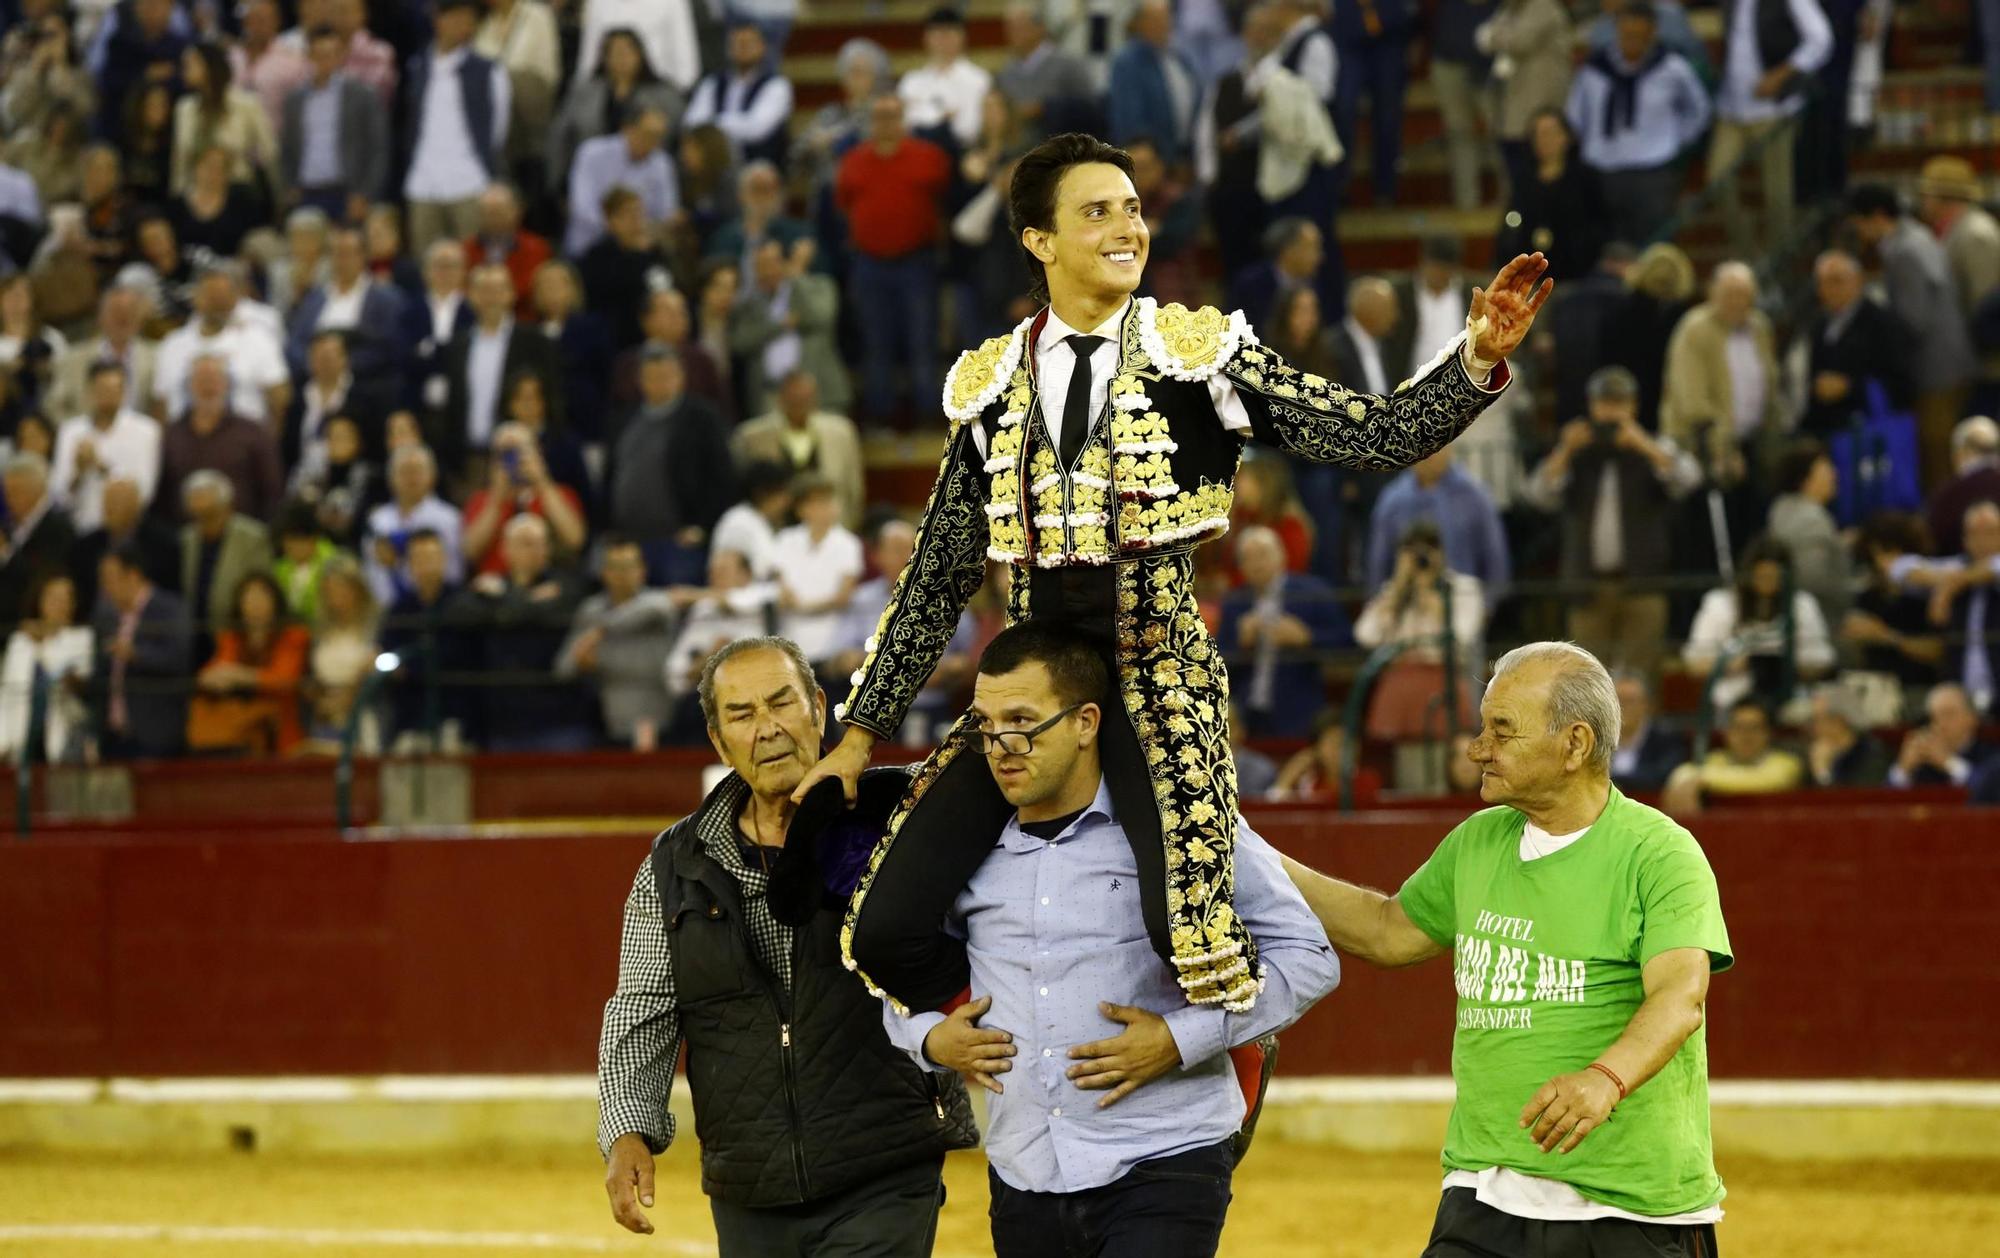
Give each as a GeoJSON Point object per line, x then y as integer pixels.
{"type": "Point", "coordinates": [641, 1039]}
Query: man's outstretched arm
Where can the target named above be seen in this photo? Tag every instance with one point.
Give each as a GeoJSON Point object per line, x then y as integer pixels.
{"type": "Point", "coordinates": [1361, 921]}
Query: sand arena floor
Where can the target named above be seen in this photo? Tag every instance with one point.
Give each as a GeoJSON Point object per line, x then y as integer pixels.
{"type": "Point", "coordinates": [1292, 1201]}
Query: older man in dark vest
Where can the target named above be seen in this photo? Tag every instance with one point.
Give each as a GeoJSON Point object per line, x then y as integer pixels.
{"type": "Point", "coordinates": [1615, 486]}
{"type": "Point", "coordinates": [816, 1134]}
{"type": "Point", "coordinates": [457, 104]}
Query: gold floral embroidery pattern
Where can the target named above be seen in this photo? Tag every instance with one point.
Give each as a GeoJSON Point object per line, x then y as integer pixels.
{"type": "Point", "coordinates": [1316, 419]}
{"type": "Point", "coordinates": [1195, 515]}
{"type": "Point", "coordinates": [980, 375]}
{"type": "Point", "coordinates": [1007, 540]}
{"type": "Point", "coordinates": [1176, 691]}
{"type": "Point", "coordinates": [1191, 344]}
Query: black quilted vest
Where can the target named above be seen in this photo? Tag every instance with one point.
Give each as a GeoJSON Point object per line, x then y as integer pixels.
{"type": "Point", "coordinates": [797, 1095]}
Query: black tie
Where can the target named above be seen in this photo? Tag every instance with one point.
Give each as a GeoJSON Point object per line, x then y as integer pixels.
{"type": "Point", "coordinates": [1076, 414]}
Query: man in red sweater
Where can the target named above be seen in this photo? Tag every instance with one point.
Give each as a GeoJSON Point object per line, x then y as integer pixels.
{"type": "Point", "coordinates": [889, 189]}
{"type": "Point", "coordinates": [502, 239]}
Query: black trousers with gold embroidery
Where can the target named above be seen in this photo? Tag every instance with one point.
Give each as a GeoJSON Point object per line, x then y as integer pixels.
{"type": "Point", "coordinates": [899, 941]}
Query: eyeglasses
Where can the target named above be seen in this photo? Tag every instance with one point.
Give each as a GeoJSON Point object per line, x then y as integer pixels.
{"type": "Point", "coordinates": [1015, 742]}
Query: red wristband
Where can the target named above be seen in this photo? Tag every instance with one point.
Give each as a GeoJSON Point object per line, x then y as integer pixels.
{"type": "Point", "coordinates": [1612, 1075]}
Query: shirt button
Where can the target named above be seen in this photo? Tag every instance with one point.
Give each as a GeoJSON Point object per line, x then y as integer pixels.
{"type": "Point", "coordinates": [1045, 991]}
{"type": "Point", "coordinates": [1048, 1052]}
{"type": "Point", "coordinates": [1057, 1112]}
{"type": "Point", "coordinates": [1045, 899]}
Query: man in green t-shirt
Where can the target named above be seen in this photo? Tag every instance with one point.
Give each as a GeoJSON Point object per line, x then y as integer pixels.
{"type": "Point", "coordinates": [1583, 927]}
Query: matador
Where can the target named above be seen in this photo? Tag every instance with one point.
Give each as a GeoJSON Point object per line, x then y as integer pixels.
{"type": "Point", "coordinates": [1093, 448]}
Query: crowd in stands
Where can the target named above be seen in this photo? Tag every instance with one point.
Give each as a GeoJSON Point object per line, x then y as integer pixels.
{"type": "Point", "coordinates": [464, 372]}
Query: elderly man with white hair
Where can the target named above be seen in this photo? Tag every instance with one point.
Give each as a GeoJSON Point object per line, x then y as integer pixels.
{"type": "Point", "coordinates": [219, 547]}
{"type": "Point", "coordinates": [1275, 626]}
{"type": "Point", "coordinates": [39, 534]}
{"type": "Point", "coordinates": [413, 506]}
{"type": "Point", "coordinates": [1584, 927]}
{"type": "Point", "coordinates": [213, 436]}
{"type": "Point", "coordinates": [1975, 478]}
{"type": "Point", "coordinates": [1722, 376]}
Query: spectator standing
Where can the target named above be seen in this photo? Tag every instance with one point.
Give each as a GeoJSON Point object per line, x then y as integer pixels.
{"type": "Point", "coordinates": [527, 407]}
{"type": "Point", "coordinates": [262, 63]}
{"type": "Point", "coordinates": [1613, 485]}
{"type": "Point", "coordinates": [1946, 750]}
{"type": "Point", "coordinates": [750, 528]}
{"type": "Point", "coordinates": [128, 526]}
{"type": "Point", "coordinates": [50, 156]}
{"type": "Point", "coordinates": [748, 101]}
{"type": "Point", "coordinates": [635, 157]}
{"type": "Point", "coordinates": [625, 272]}
{"type": "Point", "coordinates": [303, 263]}
{"type": "Point", "coordinates": [458, 104]}
{"type": "Point", "coordinates": [1294, 255]}
{"type": "Point", "coordinates": [48, 647]}
{"type": "Point", "coordinates": [1949, 199]}
{"type": "Point", "coordinates": [39, 536]}
{"type": "Point", "coordinates": [817, 564]}
{"type": "Point", "coordinates": [1554, 205]}
{"type": "Point", "coordinates": [212, 437]}
{"type": "Point", "coordinates": [144, 635]}
{"type": "Point", "coordinates": [1647, 752]}
{"type": "Point", "coordinates": [862, 67]}
{"type": "Point", "coordinates": [889, 189]}
{"type": "Point", "coordinates": [416, 632]}
{"type": "Point", "coordinates": [1961, 601]}
{"type": "Point", "coordinates": [1154, 92]}
{"type": "Point", "coordinates": [731, 606]}
{"type": "Point", "coordinates": [1747, 763]}
{"type": "Point", "coordinates": [1640, 325]}
{"type": "Point", "coordinates": [619, 642]}
{"type": "Point", "coordinates": [502, 241]}
{"type": "Point", "coordinates": [520, 35]}
{"type": "Point", "coordinates": [513, 623]}
{"type": "Point", "coordinates": [119, 315]}
{"type": "Point", "coordinates": [1852, 343]}
{"type": "Point", "coordinates": [343, 655]}
{"type": "Point", "coordinates": [339, 488]}
{"type": "Point", "coordinates": [1366, 345]}
{"type": "Point", "coordinates": [1637, 107]}
{"type": "Point", "coordinates": [1052, 88]}
{"type": "Point", "coordinates": [1840, 752]}
{"type": "Point", "coordinates": [1531, 43]}
{"type": "Point", "coordinates": [332, 392]}
{"type": "Point", "coordinates": [663, 29]}
{"type": "Point", "coordinates": [669, 476]}
{"type": "Point", "coordinates": [1373, 39]}
{"type": "Point", "coordinates": [583, 344]}
{"type": "Point", "coordinates": [943, 98]}
{"type": "Point", "coordinates": [1800, 521]}
{"type": "Point", "coordinates": [214, 113]}
{"type": "Point", "coordinates": [806, 439]}
{"type": "Point", "coordinates": [244, 338]}
{"type": "Point", "coordinates": [219, 548]}
{"type": "Point", "coordinates": [485, 356]}
{"type": "Point", "coordinates": [366, 315]}
{"type": "Point", "coordinates": [211, 213]}
{"type": "Point", "coordinates": [1720, 393]}
{"type": "Point", "coordinates": [43, 74]}
{"type": "Point", "coordinates": [941, 698]}
{"type": "Point", "coordinates": [140, 43]}
{"type": "Point", "coordinates": [785, 322]}
{"type": "Point", "coordinates": [1228, 146]}
{"type": "Point", "coordinates": [303, 553]}
{"type": "Point", "coordinates": [1276, 629]}
{"type": "Point", "coordinates": [519, 483]}
{"type": "Point", "coordinates": [1975, 466]}
{"type": "Point", "coordinates": [760, 217]}
{"type": "Point", "coordinates": [1889, 632]}
{"type": "Point", "coordinates": [598, 101]}
{"type": "Point", "coordinates": [1770, 53]}
{"type": "Point", "coordinates": [1434, 300]}
{"type": "Point", "coordinates": [1173, 209]}
{"type": "Point", "coordinates": [413, 508]}
{"type": "Point", "coordinates": [107, 441]}
{"type": "Point", "coordinates": [29, 347]}
{"type": "Point", "coordinates": [1917, 274]}
{"type": "Point", "coordinates": [1459, 72]}
{"type": "Point", "coordinates": [1742, 633]}
{"type": "Point", "coordinates": [369, 58]}
{"type": "Point", "coordinates": [433, 321]}
{"type": "Point", "coordinates": [1438, 490]}
{"type": "Point", "coordinates": [246, 697]}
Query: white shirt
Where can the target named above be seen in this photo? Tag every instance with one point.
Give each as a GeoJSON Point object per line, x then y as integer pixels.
{"type": "Point", "coordinates": [1374, 376]}
{"type": "Point", "coordinates": [665, 29]}
{"type": "Point", "coordinates": [343, 310]}
{"type": "Point", "coordinates": [388, 520]}
{"type": "Point", "coordinates": [129, 449]}
{"type": "Point", "coordinates": [1736, 98]}
{"type": "Point", "coordinates": [712, 624]}
{"type": "Point", "coordinates": [1747, 386]}
{"type": "Point", "coordinates": [735, 112]}
{"type": "Point", "coordinates": [1440, 317]}
{"type": "Point", "coordinates": [444, 313]}
{"type": "Point", "coordinates": [445, 165]}
{"type": "Point", "coordinates": [65, 653]}
{"type": "Point", "coordinates": [744, 530]}
{"type": "Point", "coordinates": [255, 355]}
{"type": "Point", "coordinates": [485, 363]}
{"type": "Point", "coordinates": [955, 94]}
{"type": "Point", "coordinates": [814, 572]}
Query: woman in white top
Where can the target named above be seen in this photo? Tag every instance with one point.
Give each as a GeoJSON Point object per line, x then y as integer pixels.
{"type": "Point", "coordinates": [50, 642]}
{"type": "Point", "coordinates": [343, 647]}
{"type": "Point", "coordinates": [817, 564]}
{"type": "Point", "coordinates": [213, 113]}
{"type": "Point", "coordinates": [1744, 626]}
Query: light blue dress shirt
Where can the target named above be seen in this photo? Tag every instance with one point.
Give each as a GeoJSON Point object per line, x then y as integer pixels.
{"type": "Point", "coordinates": [1053, 928]}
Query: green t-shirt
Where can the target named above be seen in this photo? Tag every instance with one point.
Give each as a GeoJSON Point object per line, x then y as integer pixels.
{"type": "Point", "coordinates": [1547, 956]}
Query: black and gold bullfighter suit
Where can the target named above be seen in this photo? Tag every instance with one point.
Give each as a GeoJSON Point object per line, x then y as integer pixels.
{"type": "Point", "coordinates": [1107, 546]}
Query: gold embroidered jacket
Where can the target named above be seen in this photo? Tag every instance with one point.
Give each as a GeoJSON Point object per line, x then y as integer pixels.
{"type": "Point", "coordinates": [1150, 485]}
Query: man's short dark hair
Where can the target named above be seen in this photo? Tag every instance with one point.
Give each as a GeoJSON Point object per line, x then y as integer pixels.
{"type": "Point", "coordinates": [1031, 201]}
{"type": "Point", "coordinates": [1281, 235]}
{"type": "Point", "coordinates": [128, 556]}
{"type": "Point", "coordinates": [764, 478]}
{"type": "Point", "coordinates": [945, 15]}
{"type": "Point", "coordinates": [426, 535]}
{"type": "Point", "coordinates": [296, 518]}
{"type": "Point", "coordinates": [1797, 464]}
{"type": "Point", "coordinates": [1076, 665]}
{"type": "Point", "coordinates": [617, 199]}
{"type": "Point", "coordinates": [1866, 200]}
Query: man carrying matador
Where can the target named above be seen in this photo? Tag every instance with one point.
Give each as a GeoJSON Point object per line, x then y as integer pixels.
{"type": "Point", "coordinates": [1093, 448]}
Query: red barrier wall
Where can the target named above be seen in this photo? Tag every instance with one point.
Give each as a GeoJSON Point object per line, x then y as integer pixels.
{"type": "Point", "coordinates": [1865, 938]}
